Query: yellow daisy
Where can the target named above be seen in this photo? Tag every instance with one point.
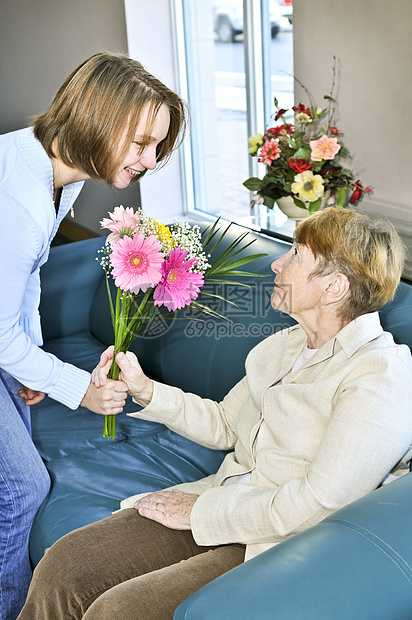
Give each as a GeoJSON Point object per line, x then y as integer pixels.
{"type": "Point", "coordinates": [303, 118]}
{"type": "Point", "coordinates": [309, 186]}
{"type": "Point", "coordinates": [255, 142]}
{"type": "Point", "coordinates": [162, 232]}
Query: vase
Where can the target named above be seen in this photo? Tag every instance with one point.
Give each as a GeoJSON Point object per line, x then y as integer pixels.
{"type": "Point", "coordinates": [293, 212]}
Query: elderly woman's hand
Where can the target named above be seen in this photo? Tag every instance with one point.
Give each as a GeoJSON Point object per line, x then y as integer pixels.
{"type": "Point", "coordinates": [170, 508]}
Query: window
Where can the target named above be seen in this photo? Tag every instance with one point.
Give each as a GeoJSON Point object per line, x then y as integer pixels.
{"type": "Point", "coordinates": [234, 57]}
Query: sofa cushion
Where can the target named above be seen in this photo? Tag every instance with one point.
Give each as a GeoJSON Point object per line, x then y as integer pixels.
{"type": "Point", "coordinates": [88, 483]}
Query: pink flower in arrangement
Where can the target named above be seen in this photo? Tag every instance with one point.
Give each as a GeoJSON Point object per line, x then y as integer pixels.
{"type": "Point", "coordinates": [324, 148]}
{"type": "Point", "coordinates": [123, 222]}
{"type": "Point", "coordinates": [178, 285]}
{"type": "Point", "coordinates": [269, 152]}
{"type": "Point", "coordinates": [136, 263]}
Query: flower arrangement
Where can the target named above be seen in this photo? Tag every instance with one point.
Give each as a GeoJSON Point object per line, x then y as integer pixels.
{"type": "Point", "coordinates": [304, 160]}
{"type": "Point", "coordinates": [154, 266]}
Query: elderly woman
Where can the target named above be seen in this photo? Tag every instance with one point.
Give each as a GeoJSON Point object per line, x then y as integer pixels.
{"type": "Point", "coordinates": [321, 418]}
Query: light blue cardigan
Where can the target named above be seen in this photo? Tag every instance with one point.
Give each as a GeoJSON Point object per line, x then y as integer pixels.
{"type": "Point", "coordinates": [28, 224]}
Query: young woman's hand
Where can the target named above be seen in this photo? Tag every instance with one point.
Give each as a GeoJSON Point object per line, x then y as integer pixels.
{"type": "Point", "coordinates": [99, 374]}
{"type": "Point", "coordinates": [32, 397]}
{"type": "Point", "coordinates": [106, 400]}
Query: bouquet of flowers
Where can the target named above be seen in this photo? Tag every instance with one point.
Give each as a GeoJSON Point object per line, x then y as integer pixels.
{"type": "Point", "coordinates": [304, 159]}
{"type": "Point", "coordinates": [156, 266]}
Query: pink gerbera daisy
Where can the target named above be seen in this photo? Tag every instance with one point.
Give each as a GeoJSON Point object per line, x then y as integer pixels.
{"type": "Point", "coordinates": [269, 152]}
{"type": "Point", "coordinates": [137, 263]}
{"type": "Point", "coordinates": [178, 285]}
{"type": "Point", "coordinates": [123, 222]}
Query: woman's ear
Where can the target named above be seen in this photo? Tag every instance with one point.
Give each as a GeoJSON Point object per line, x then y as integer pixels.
{"type": "Point", "coordinates": [336, 289]}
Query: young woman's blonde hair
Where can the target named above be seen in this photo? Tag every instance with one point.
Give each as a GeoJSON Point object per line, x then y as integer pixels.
{"type": "Point", "coordinates": [101, 99]}
{"type": "Point", "coordinates": [370, 254]}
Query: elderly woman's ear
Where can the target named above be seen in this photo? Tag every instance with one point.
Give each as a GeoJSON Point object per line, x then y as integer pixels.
{"type": "Point", "coordinates": [336, 289]}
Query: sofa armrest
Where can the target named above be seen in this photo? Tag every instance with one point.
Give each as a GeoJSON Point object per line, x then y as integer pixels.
{"type": "Point", "coordinates": [69, 281]}
{"type": "Point", "coordinates": [357, 563]}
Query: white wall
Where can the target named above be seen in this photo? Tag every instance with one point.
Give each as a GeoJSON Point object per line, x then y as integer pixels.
{"type": "Point", "coordinates": [40, 43]}
{"type": "Point", "coordinates": [373, 44]}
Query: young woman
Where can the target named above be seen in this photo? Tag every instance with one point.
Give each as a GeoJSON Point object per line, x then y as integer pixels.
{"type": "Point", "coordinates": [110, 120]}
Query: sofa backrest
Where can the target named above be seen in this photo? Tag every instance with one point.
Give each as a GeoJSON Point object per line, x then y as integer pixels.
{"type": "Point", "coordinates": [396, 316]}
{"type": "Point", "coordinates": [70, 280]}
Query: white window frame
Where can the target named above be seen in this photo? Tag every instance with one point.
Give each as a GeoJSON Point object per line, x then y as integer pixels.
{"type": "Point", "coordinates": [258, 88]}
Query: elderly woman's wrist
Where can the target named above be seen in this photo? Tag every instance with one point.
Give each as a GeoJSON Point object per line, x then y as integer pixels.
{"type": "Point", "coordinates": [144, 396]}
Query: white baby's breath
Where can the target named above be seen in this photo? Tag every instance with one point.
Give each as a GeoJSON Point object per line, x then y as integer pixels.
{"type": "Point", "coordinates": [189, 237]}
{"type": "Point", "coordinates": [104, 260]}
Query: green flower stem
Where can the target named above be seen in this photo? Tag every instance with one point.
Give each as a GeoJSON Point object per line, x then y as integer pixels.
{"type": "Point", "coordinates": [120, 320]}
{"type": "Point", "coordinates": [125, 330]}
{"type": "Point", "coordinates": [139, 319]}
{"type": "Point", "coordinates": [117, 312]}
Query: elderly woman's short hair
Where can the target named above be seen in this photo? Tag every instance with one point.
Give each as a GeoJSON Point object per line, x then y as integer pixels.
{"type": "Point", "coordinates": [101, 99]}
{"type": "Point", "coordinates": [370, 254]}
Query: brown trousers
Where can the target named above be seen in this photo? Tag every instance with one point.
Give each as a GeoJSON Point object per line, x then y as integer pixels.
{"type": "Point", "coordinates": [124, 567]}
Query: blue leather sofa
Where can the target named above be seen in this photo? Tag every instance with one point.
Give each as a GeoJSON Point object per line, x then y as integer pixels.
{"type": "Point", "coordinates": [355, 564]}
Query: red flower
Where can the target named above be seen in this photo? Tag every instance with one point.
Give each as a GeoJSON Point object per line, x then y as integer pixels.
{"type": "Point", "coordinates": [280, 130]}
{"type": "Point", "coordinates": [301, 108]}
{"type": "Point", "coordinates": [357, 194]}
{"type": "Point", "coordinates": [335, 131]}
{"type": "Point", "coordinates": [300, 165]}
{"type": "Point", "coordinates": [280, 113]}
